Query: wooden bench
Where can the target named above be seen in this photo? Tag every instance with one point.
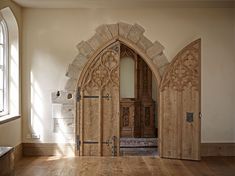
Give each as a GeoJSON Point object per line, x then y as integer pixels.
{"type": "Point", "coordinates": [6, 161]}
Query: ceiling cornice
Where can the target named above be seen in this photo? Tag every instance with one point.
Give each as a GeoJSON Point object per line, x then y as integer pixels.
{"type": "Point", "coordinates": [125, 4]}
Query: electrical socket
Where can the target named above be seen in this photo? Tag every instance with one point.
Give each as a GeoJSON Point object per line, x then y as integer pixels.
{"type": "Point", "coordinates": [33, 136]}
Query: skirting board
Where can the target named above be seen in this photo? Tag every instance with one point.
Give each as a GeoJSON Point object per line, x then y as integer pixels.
{"type": "Point", "coordinates": [218, 149]}
{"type": "Point", "coordinates": [48, 149]}
{"type": "Point", "coordinates": [18, 153]}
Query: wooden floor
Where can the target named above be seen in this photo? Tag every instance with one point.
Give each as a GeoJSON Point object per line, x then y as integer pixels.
{"type": "Point", "coordinates": [123, 166]}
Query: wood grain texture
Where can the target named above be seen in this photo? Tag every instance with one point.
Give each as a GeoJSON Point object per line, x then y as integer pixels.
{"type": "Point", "coordinates": [18, 153]}
{"type": "Point", "coordinates": [180, 102]}
{"type": "Point", "coordinates": [6, 161]}
{"type": "Point", "coordinates": [141, 110]}
{"type": "Point", "coordinates": [47, 149]}
{"type": "Point", "coordinates": [124, 166]}
{"type": "Point", "coordinates": [218, 149]}
{"type": "Point", "coordinates": [99, 104]}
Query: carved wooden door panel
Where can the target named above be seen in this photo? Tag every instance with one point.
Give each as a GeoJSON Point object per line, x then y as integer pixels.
{"type": "Point", "coordinates": [147, 119]}
{"type": "Point", "coordinates": [99, 105]}
{"type": "Point", "coordinates": [180, 105]}
{"type": "Point", "coordinates": [145, 97]}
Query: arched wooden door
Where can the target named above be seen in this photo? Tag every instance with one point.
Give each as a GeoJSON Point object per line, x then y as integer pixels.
{"type": "Point", "coordinates": [99, 105]}
{"type": "Point", "coordinates": [180, 105]}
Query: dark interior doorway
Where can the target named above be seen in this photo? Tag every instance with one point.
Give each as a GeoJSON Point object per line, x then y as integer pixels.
{"type": "Point", "coordinates": [138, 112]}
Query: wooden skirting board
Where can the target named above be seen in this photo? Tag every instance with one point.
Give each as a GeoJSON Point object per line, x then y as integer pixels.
{"type": "Point", "coordinates": [18, 152]}
{"type": "Point", "coordinates": [218, 149]}
{"type": "Point", "coordinates": [49, 149]}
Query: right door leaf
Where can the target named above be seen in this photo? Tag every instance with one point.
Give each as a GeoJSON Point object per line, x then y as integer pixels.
{"type": "Point", "coordinates": [180, 93]}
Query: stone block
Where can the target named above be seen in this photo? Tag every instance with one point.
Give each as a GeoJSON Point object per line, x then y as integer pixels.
{"type": "Point", "coordinates": [73, 71]}
{"type": "Point", "coordinates": [113, 28]}
{"type": "Point", "coordinates": [71, 84]}
{"type": "Point", "coordinates": [155, 49]}
{"type": "Point", "coordinates": [80, 61]}
{"type": "Point", "coordinates": [96, 41]}
{"type": "Point", "coordinates": [160, 60]}
{"type": "Point", "coordinates": [135, 33]}
{"type": "Point", "coordinates": [124, 29]}
{"type": "Point", "coordinates": [144, 43]}
{"type": "Point", "coordinates": [63, 97]}
{"type": "Point", "coordinates": [85, 49]}
{"type": "Point", "coordinates": [162, 69]}
{"type": "Point", "coordinates": [104, 32]}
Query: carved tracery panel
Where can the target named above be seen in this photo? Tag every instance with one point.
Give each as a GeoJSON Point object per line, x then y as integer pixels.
{"type": "Point", "coordinates": [184, 71]}
{"type": "Point", "coordinates": [180, 105]}
{"type": "Point", "coordinates": [99, 104]}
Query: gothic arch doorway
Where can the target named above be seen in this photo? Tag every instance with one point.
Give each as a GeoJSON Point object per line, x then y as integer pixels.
{"type": "Point", "coordinates": [178, 95]}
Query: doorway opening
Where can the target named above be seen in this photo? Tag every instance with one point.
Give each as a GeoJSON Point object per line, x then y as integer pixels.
{"type": "Point", "coordinates": [138, 106]}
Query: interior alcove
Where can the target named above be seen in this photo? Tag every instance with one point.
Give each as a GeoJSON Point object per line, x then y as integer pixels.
{"type": "Point", "coordinates": [138, 105]}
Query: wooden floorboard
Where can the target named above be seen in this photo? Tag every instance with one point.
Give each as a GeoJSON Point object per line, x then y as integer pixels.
{"type": "Point", "coordinates": [124, 166]}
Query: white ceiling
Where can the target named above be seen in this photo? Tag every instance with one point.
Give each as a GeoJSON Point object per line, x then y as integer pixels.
{"type": "Point", "coordinates": [122, 3]}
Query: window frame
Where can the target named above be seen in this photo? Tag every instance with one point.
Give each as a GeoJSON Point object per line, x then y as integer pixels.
{"type": "Point", "coordinates": [5, 68]}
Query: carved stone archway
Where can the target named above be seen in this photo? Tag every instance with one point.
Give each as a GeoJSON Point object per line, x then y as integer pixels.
{"type": "Point", "coordinates": [130, 35]}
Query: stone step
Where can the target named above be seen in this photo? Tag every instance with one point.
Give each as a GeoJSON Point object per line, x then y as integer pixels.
{"type": "Point", "coordinates": [139, 151]}
{"type": "Point", "coordinates": [138, 142]}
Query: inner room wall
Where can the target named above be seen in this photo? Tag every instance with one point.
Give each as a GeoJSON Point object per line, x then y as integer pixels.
{"type": "Point", "coordinates": [50, 37]}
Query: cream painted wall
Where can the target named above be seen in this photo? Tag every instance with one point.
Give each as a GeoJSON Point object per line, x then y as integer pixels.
{"type": "Point", "coordinates": [50, 37]}
{"type": "Point", "coordinates": [10, 132]}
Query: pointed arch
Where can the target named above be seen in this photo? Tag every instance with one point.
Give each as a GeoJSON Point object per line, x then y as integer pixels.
{"type": "Point", "coordinates": [130, 35]}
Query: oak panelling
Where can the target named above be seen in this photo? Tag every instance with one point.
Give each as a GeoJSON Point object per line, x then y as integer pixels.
{"type": "Point", "coordinates": [147, 118]}
{"type": "Point", "coordinates": [129, 118]}
{"type": "Point", "coordinates": [144, 95]}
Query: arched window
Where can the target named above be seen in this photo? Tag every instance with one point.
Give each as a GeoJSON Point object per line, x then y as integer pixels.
{"type": "Point", "coordinates": [3, 68]}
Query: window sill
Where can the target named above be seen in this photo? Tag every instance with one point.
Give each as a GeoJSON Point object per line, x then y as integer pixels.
{"type": "Point", "coordinates": [8, 118]}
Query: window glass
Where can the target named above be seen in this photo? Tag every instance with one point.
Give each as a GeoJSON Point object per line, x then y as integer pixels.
{"type": "Point", "coordinates": [127, 78]}
{"type": "Point", "coordinates": [3, 69]}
